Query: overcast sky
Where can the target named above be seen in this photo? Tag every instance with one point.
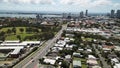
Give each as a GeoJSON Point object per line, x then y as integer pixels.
{"type": "Point", "coordinates": [60, 5]}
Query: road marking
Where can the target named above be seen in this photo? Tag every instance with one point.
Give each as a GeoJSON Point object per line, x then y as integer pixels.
{"type": "Point", "coordinates": [27, 63]}
{"type": "Point", "coordinates": [35, 57]}
{"type": "Point", "coordinates": [41, 52]}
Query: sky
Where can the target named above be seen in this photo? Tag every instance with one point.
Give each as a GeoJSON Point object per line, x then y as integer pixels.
{"type": "Point", "coordinates": [95, 6]}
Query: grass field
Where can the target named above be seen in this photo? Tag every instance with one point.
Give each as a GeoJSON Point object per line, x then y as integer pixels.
{"type": "Point", "coordinates": [17, 29]}
{"type": "Point", "coordinates": [83, 61]}
{"type": "Point", "coordinates": [14, 36]}
{"type": "Point", "coordinates": [86, 39]}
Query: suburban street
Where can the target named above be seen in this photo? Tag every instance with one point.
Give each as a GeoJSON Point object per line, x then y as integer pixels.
{"type": "Point", "coordinates": [32, 60]}
{"type": "Point", "coordinates": [105, 65]}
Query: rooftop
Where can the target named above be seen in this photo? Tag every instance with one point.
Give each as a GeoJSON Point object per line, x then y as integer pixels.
{"type": "Point", "coordinates": [11, 47]}
{"type": "Point", "coordinates": [16, 51]}
{"type": "Point", "coordinates": [76, 63]}
{"type": "Point", "coordinates": [51, 61]}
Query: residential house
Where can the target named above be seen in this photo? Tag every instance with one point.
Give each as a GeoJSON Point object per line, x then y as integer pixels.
{"type": "Point", "coordinates": [77, 64]}
{"type": "Point", "coordinates": [49, 61]}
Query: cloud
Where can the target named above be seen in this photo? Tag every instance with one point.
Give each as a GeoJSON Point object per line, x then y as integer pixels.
{"type": "Point", "coordinates": [29, 1]}
{"type": "Point", "coordinates": [99, 3]}
{"type": "Point", "coordinates": [75, 2]}
{"type": "Point", "coordinates": [87, 3]}
{"type": "Point", "coordinates": [78, 3]}
{"type": "Point", "coordinates": [116, 5]}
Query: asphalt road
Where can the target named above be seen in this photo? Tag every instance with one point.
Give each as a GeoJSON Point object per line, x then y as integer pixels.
{"type": "Point", "coordinates": [105, 65]}
{"type": "Point", "coordinates": [32, 60]}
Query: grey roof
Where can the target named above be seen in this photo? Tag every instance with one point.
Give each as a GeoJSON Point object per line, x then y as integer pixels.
{"type": "Point", "coordinates": [76, 63]}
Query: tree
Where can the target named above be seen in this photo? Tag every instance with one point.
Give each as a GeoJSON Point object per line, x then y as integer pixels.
{"type": "Point", "coordinates": [21, 30]}
{"type": "Point", "coordinates": [2, 36]}
{"type": "Point", "coordinates": [41, 60]}
{"type": "Point", "coordinates": [9, 31]}
{"type": "Point", "coordinates": [2, 33]}
{"type": "Point", "coordinates": [14, 30]}
{"type": "Point", "coordinates": [19, 37]}
{"type": "Point", "coordinates": [28, 30]}
{"type": "Point", "coordinates": [47, 35]}
{"type": "Point", "coordinates": [65, 64]}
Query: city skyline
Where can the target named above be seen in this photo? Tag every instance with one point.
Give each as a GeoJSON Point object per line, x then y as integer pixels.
{"type": "Point", "coordinates": [97, 6]}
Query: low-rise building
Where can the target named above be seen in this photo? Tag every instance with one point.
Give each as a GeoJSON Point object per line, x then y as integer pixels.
{"type": "Point", "coordinates": [117, 48]}
{"type": "Point", "coordinates": [14, 51]}
{"type": "Point", "coordinates": [92, 57]}
{"type": "Point", "coordinates": [75, 54]}
{"type": "Point", "coordinates": [60, 43]}
{"type": "Point", "coordinates": [68, 58]}
{"type": "Point", "coordinates": [116, 65]}
{"type": "Point", "coordinates": [77, 64]}
{"type": "Point", "coordinates": [96, 66]}
{"type": "Point", "coordinates": [89, 50]}
{"type": "Point", "coordinates": [49, 61]}
{"type": "Point", "coordinates": [18, 43]}
{"type": "Point", "coordinates": [108, 47]}
{"type": "Point", "coordinates": [92, 60]}
{"type": "Point", "coordinates": [114, 61]}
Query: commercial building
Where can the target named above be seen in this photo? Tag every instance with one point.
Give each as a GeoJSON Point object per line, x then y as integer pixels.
{"type": "Point", "coordinates": [13, 51]}
{"type": "Point", "coordinates": [112, 14]}
{"type": "Point", "coordinates": [17, 43]}
{"type": "Point", "coordinates": [118, 14]}
{"type": "Point", "coordinates": [13, 48]}
{"type": "Point", "coordinates": [81, 14]}
{"type": "Point", "coordinates": [39, 18]}
{"type": "Point", "coordinates": [86, 13]}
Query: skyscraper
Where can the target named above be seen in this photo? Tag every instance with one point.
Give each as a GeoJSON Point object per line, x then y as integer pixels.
{"type": "Point", "coordinates": [69, 16]}
{"type": "Point", "coordinates": [112, 14]}
{"type": "Point", "coordinates": [39, 18]}
{"type": "Point", "coordinates": [118, 14]}
{"type": "Point", "coordinates": [64, 15]}
{"type": "Point", "coordinates": [81, 14]}
{"type": "Point", "coordinates": [86, 13]}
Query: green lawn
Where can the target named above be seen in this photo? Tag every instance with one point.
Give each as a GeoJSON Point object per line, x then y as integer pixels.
{"type": "Point", "coordinates": [14, 36]}
{"type": "Point", "coordinates": [86, 39]}
{"type": "Point", "coordinates": [83, 61]}
{"type": "Point", "coordinates": [5, 29]}
{"type": "Point", "coordinates": [11, 37]}
{"type": "Point", "coordinates": [17, 29]}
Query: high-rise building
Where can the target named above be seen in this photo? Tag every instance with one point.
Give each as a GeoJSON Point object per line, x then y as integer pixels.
{"type": "Point", "coordinates": [39, 18]}
{"type": "Point", "coordinates": [81, 14]}
{"type": "Point", "coordinates": [118, 14]}
{"type": "Point", "coordinates": [64, 15]}
{"type": "Point", "coordinates": [69, 16]}
{"type": "Point", "coordinates": [86, 13]}
{"type": "Point", "coordinates": [112, 14]}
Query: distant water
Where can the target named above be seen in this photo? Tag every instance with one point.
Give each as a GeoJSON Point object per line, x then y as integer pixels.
{"type": "Point", "coordinates": [27, 15]}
